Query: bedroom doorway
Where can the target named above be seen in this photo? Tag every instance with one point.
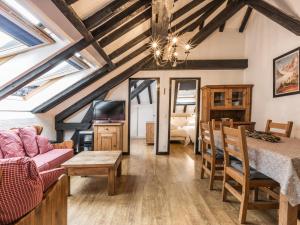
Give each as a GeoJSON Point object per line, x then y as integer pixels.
{"type": "Point", "coordinates": [184, 112]}
{"type": "Point", "coordinates": [143, 111]}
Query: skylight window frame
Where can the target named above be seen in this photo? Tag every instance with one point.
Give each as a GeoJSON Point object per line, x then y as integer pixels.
{"type": "Point", "coordinates": [76, 62]}
{"type": "Point", "coordinates": [27, 26]}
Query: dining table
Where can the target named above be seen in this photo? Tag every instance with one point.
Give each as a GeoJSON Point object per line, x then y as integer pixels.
{"type": "Point", "coordinates": [281, 162]}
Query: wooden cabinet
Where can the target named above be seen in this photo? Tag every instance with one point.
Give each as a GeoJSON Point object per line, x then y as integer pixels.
{"type": "Point", "coordinates": [108, 136]}
{"type": "Point", "coordinates": [227, 101]}
{"type": "Point", "coordinates": [150, 133]}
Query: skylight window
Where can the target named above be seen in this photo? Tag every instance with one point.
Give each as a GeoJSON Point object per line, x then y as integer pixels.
{"type": "Point", "coordinates": [20, 30]}
{"type": "Point", "coordinates": [65, 68]}
{"type": "Point", "coordinates": [23, 11]}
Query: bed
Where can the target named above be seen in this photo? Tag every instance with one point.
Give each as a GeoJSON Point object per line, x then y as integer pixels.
{"type": "Point", "coordinates": [183, 128]}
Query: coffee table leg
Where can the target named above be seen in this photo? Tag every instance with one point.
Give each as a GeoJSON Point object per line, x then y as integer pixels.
{"type": "Point", "coordinates": [119, 170]}
{"type": "Point", "coordinates": [111, 181]}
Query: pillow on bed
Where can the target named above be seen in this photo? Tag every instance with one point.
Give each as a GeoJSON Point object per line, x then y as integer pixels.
{"type": "Point", "coordinates": [179, 121]}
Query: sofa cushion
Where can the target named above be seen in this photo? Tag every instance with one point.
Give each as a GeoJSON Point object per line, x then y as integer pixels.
{"type": "Point", "coordinates": [21, 188]}
{"type": "Point", "coordinates": [11, 144]}
{"type": "Point", "coordinates": [49, 177]}
{"type": "Point", "coordinates": [43, 144]}
{"type": "Point", "coordinates": [28, 137]}
{"type": "Point", "coordinates": [53, 158]}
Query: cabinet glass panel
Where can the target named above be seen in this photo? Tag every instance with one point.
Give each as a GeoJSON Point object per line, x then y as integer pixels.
{"type": "Point", "coordinates": [237, 98]}
{"type": "Point", "coordinates": [219, 98]}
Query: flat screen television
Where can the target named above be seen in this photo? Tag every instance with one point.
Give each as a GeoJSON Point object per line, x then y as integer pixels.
{"type": "Point", "coordinates": [109, 110]}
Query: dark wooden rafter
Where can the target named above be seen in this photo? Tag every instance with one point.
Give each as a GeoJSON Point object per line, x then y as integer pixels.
{"type": "Point", "coordinates": [102, 89]}
{"type": "Point", "coordinates": [150, 94]}
{"type": "Point", "coordinates": [121, 18]}
{"type": "Point", "coordinates": [222, 64]}
{"type": "Point", "coordinates": [71, 15]}
{"type": "Point", "coordinates": [148, 32]}
{"type": "Point", "coordinates": [43, 68]}
{"type": "Point", "coordinates": [197, 14]}
{"type": "Point", "coordinates": [222, 27]}
{"type": "Point", "coordinates": [140, 88]}
{"type": "Point", "coordinates": [245, 19]}
{"type": "Point", "coordinates": [106, 13]}
{"type": "Point", "coordinates": [289, 22]}
{"type": "Point", "coordinates": [133, 54]}
{"type": "Point", "coordinates": [69, 2]}
{"type": "Point", "coordinates": [137, 96]}
{"type": "Point", "coordinates": [126, 28]}
{"type": "Point", "coordinates": [86, 81]}
{"type": "Point", "coordinates": [216, 22]}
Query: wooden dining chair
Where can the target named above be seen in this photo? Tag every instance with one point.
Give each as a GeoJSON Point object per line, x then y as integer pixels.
{"type": "Point", "coordinates": [239, 178]}
{"type": "Point", "coordinates": [216, 125]}
{"type": "Point", "coordinates": [212, 158]}
{"type": "Point", "coordinates": [279, 129]}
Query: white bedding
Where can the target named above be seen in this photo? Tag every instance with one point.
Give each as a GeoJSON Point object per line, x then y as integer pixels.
{"type": "Point", "coordinates": [187, 133]}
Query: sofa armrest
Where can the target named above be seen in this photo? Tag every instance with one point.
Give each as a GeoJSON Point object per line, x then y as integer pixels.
{"type": "Point", "coordinates": [66, 144]}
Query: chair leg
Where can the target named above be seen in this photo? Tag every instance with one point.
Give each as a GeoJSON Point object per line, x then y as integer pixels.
{"type": "Point", "coordinates": [202, 170]}
{"type": "Point", "coordinates": [244, 207]}
{"type": "Point", "coordinates": [212, 176]}
{"type": "Point", "coordinates": [224, 191]}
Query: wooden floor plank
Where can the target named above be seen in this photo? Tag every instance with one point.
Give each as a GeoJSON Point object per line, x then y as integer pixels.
{"type": "Point", "coordinates": [156, 190]}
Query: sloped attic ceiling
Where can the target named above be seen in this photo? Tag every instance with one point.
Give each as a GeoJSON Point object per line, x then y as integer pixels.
{"type": "Point", "coordinates": [121, 30]}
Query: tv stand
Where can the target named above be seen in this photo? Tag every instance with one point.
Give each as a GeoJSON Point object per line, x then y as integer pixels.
{"type": "Point", "coordinates": [108, 136]}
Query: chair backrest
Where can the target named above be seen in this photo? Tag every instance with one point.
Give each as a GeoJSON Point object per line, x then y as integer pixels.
{"type": "Point", "coordinates": [279, 129]}
{"type": "Point", "coordinates": [235, 145]}
{"type": "Point", "coordinates": [216, 125]}
{"type": "Point", "coordinates": [207, 138]}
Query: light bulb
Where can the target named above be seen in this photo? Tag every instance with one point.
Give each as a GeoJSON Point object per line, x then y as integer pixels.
{"type": "Point", "coordinates": [175, 54]}
{"type": "Point", "coordinates": [154, 44]}
{"type": "Point", "coordinates": [157, 53]}
{"type": "Point", "coordinates": [187, 47]}
{"type": "Point", "coordinates": [174, 40]}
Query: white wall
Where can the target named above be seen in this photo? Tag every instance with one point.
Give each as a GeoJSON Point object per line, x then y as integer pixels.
{"type": "Point", "coordinates": [266, 40]}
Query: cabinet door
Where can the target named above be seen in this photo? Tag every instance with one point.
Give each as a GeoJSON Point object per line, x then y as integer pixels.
{"type": "Point", "coordinates": [150, 133]}
{"type": "Point", "coordinates": [237, 98]}
{"type": "Point", "coordinates": [107, 141]}
{"type": "Point", "coordinates": [218, 98]}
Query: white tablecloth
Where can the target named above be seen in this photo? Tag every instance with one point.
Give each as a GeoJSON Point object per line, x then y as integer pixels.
{"type": "Point", "coordinates": [279, 161]}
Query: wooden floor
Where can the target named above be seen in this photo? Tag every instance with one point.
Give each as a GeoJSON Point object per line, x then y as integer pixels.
{"type": "Point", "coordinates": [156, 190]}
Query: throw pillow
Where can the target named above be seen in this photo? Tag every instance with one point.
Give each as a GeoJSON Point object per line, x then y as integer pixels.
{"type": "Point", "coordinates": [28, 137]}
{"type": "Point", "coordinates": [11, 144]}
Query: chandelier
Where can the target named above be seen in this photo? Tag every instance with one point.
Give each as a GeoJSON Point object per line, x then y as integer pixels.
{"type": "Point", "coordinates": [166, 51]}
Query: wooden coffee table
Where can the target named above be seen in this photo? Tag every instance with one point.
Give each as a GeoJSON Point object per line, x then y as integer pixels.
{"type": "Point", "coordinates": [89, 163]}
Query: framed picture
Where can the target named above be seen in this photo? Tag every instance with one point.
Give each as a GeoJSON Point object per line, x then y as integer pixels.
{"type": "Point", "coordinates": [286, 79]}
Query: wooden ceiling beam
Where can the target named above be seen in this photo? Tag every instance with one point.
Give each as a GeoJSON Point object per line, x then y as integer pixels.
{"type": "Point", "coordinates": [290, 23]}
{"type": "Point", "coordinates": [222, 64]}
{"type": "Point", "coordinates": [221, 29]}
{"type": "Point", "coordinates": [216, 22]}
{"type": "Point", "coordinates": [137, 96]}
{"type": "Point", "coordinates": [147, 33]}
{"type": "Point", "coordinates": [130, 44]}
{"type": "Point", "coordinates": [245, 19]}
{"type": "Point", "coordinates": [204, 13]}
{"type": "Point", "coordinates": [150, 94]}
{"type": "Point", "coordinates": [71, 15]}
{"type": "Point", "coordinates": [106, 13]}
{"type": "Point", "coordinates": [41, 69]}
{"type": "Point", "coordinates": [103, 88]}
{"type": "Point", "coordinates": [70, 2]}
{"type": "Point", "coordinates": [121, 18]}
{"type": "Point", "coordinates": [83, 83]}
{"type": "Point", "coordinates": [126, 28]}
{"type": "Point", "coordinates": [145, 84]}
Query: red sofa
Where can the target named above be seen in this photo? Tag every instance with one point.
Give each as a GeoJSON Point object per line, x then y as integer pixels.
{"type": "Point", "coordinates": [24, 176]}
